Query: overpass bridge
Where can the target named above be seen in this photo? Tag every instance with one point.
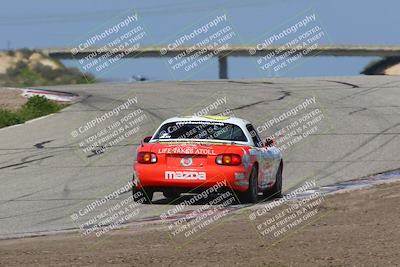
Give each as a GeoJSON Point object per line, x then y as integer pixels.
{"type": "Point", "coordinates": [223, 52]}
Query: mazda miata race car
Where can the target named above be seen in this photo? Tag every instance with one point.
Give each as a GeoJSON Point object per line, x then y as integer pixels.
{"type": "Point", "coordinates": [190, 154]}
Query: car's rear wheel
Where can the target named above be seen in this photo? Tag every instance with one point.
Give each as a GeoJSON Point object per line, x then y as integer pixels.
{"type": "Point", "coordinates": [171, 195]}
{"type": "Point", "coordinates": [276, 190]}
{"type": "Point", "coordinates": [251, 195]}
{"type": "Point", "coordinates": [143, 195]}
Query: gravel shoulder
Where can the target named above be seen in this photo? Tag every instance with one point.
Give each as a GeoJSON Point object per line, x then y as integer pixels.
{"type": "Point", "coordinates": [11, 99]}
{"type": "Point", "coordinates": [358, 228]}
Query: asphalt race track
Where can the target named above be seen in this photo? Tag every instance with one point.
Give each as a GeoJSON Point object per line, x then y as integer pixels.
{"type": "Point", "coordinates": [45, 176]}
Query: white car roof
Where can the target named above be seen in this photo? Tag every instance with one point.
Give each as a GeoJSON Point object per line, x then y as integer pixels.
{"type": "Point", "coordinates": [233, 120]}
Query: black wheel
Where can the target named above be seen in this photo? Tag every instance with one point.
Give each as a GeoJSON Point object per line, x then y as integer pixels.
{"type": "Point", "coordinates": [276, 190]}
{"type": "Point", "coordinates": [251, 195]}
{"type": "Point", "coordinates": [143, 195]}
{"type": "Point", "coordinates": [172, 195]}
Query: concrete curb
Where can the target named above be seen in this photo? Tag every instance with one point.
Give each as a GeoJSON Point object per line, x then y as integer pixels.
{"type": "Point", "coordinates": [50, 94]}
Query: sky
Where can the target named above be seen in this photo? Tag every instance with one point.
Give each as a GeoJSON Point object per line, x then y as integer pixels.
{"type": "Point", "coordinates": [49, 23]}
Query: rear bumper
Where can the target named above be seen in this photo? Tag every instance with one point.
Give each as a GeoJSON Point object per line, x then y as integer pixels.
{"type": "Point", "coordinates": [233, 177]}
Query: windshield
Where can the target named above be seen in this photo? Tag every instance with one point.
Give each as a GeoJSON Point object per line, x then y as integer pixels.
{"type": "Point", "coordinates": [200, 130]}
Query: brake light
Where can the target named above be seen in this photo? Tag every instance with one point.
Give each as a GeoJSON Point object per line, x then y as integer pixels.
{"type": "Point", "coordinates": [146, 157]}
{"type": "Point", "coordinates": [228, 159]}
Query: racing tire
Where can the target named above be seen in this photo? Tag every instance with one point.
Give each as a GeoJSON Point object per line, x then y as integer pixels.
{"type": "Point", "coordinates": [251, 194]}
{"type": "Point", "coordinates": [171, 195]}
{"type": "Point", "coordinates": [276, 190]}
{"type": "Point", "coordinates": [143, 195]}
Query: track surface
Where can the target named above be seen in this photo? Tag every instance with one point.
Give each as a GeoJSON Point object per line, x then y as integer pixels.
{"type": "Point", "coordinates": [44, 178]}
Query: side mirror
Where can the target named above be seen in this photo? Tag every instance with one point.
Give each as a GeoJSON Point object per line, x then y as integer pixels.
{"type": "Point", "coordinates": [146, 139]}
{"type": "Point", "coordinates": [269, 142]}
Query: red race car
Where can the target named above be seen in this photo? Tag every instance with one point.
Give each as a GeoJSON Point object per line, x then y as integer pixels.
{"type": "Point", "coordinates": [190, 154]}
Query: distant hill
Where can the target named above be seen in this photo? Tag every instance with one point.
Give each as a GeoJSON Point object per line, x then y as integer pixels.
{"type": "Point", "coordinates": [386, 66]}
{"type": "Point", "coordinates": [25, 67]}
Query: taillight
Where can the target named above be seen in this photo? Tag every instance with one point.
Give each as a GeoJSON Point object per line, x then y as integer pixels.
{"type": "Point", "coordinates": [146, 157]}
{"type": "Point", "coordinates": [228, 159]}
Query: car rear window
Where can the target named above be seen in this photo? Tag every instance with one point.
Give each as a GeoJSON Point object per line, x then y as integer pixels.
{"type": "Point", "coordinates": [200, 130]}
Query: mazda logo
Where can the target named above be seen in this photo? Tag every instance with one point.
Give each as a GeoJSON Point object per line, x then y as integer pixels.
{"type": "Point", "coordinates": [186, 162]}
